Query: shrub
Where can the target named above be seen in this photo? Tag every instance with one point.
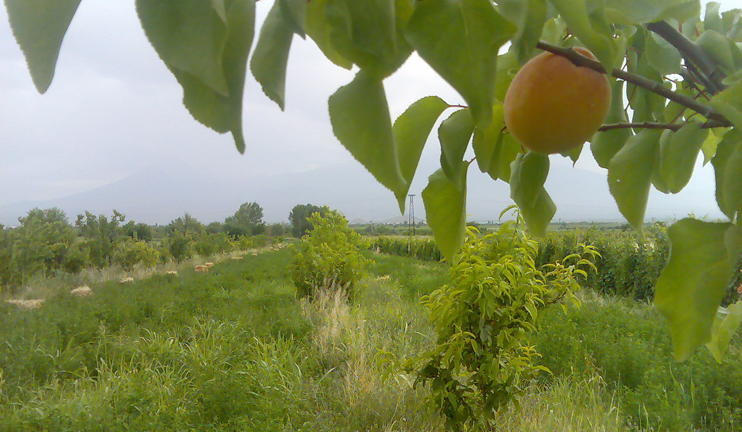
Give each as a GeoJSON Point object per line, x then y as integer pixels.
{"type": "Point", "coordinates": [329, 257]}
{"type": "Point", "coordinates": [130, 252]}
{"type": "Point", "coordinates": [180, 245]}
{"type": "Point", "coordinates": [211, 244]}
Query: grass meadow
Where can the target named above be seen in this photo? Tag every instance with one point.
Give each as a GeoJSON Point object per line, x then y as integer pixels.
{"type": "Point", "coordinates": [235, 350]}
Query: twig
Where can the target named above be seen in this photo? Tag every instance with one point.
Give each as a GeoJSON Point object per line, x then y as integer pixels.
{"type": "Point", "coordinates": [692, 53]}
{"type": "Point", "coordinates": [650, 125]}
{"type": "Point", "coordinates": [638, 81]}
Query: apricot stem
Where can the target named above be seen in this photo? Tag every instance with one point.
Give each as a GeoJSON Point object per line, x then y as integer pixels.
{"type": "Point", "coordinates": [638, 81]}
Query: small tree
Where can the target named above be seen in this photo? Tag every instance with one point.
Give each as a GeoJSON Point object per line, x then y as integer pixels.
{"type": "Point", "coordinates": [299, 218]}
{"type": "Point", "coordinates": [101, 235]}
{"type": "Point", "coordinates": [41, 243]}
{"type": "Point", "coordinates": [248, 220]}
{"type": "Point", "coordinates": [329, 257]}
{"type": "Point", "coordinates": [131, 252]}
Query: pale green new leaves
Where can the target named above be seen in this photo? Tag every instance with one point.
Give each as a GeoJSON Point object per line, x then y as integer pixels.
{"type": "Point", "coordinates": [411, 131]}
{"type": "Point", "coordinates": [207, 55]}
{"type": "Point", "coordinates": [460, 39]}
{"type": "Point", "coordinates": [695, 279]}
{"type": "Point", "coordinates": [643, 11]}
{"type": "Point", "coordinates": [360, 120]}
{"type": "Point", "coordinates": [445, 210]}
{"type": "Point", "coordinates": [39, 27]}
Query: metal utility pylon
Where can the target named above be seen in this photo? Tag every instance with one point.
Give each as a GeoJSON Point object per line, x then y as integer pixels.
{"type": "Point", "coordinates": [411, 216]}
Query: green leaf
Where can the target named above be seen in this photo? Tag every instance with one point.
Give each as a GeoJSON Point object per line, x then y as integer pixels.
{"type": "Point", "coordinates": [485, 143]}
{"type": "Point", "coordinates": [189, 36]}
{"type": "Point", "coordinates": [527, 178]}
{"type": "Point", "coordinates": [220, 9]}
{"type": "Point", "coordinates": [529, 16]}
{"type": "Point", "coordinates": [729, 103]}
{"type": "Point", "coordinates": [691, 286]}
{"type": "Point", "coordinates": [454, 134]}
{"type": "Point", "coordinates": [709, 146]}
{"type": "Point", "coordinates": [360, 119]}
{"type": "Point", "coordinates": [712, 20]}
{"type": "Point", "coordinates": [663, 57]}
{"type": "Point", "coordinates": [39, 27]}
{"type": "Point", "coordinates": [605, 145]}
{"type": "Point", "coordinates": [317, 26]}
{"type": "Point", "coordinates": [460, 39]}
{"type": "Point", "coordinates": [411, 131]}
{"type": "Point", "coordinates": [294, 14]}
{"type": "Point", "coordinates": [723, 329]}
{"type": "Point", "coordinates": [268, 64]}
{"type": "Point", "coordinates": [507, 67]}
{"type": "Point", "coordinates": [221, 111]}
{"type": "Point", "coordinates": [528, 174]}
{"type": "Point", "coordinates": [728, 171]}
{"type": "Point", "coordinates": [678, 154]}
{"type": "Point", "coordinates": [445, 211]}
{"type": "Point", "coordinates": [630, 174]}
{"type": "Point", "coordinates": [642, 11]}
{"type": "Point", "coordinates": [717, 47]}
{"type": "Point", "coordinates": [597, 40]}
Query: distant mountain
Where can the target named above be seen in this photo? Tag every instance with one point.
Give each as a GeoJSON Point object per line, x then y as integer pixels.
{"type": "Point", "coordinates": [164, 192]}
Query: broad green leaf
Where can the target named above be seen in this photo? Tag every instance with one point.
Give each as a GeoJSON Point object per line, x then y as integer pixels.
{"type": "Point", "coordinates": [641, 11]}
{"type": "Point", "coordinates": [678, 154]}
{"type": "Point", "coordinates": [723, 329]}
{"type": "Point", "coordinates": [712, 20]}
{"type": "Point", "coordinates": [528, 174]}
{"type": "Point", "coordinates": [445, 211]}
{"type": "Point", "coordinates": [598, 41]}
{"type": "Point", "coordinates": [360, 119]}
{"type": "Point", "coordinates": [454, 134]}
{"type": "Point", "coordinates": [507, 67]}
{"type": "Point", "coordinates": [527, 178]}
{"type": "Point", "coordinates": [294, 14]}
{"type": "Point", "coordinates": [716, 46]}
{"type": "Point", "coordinates": [663, 57]}
{"type": "Point", "coordinates": [529, 16]}
{"type": "Point", "coordinates": [460, 39]}
{"type": "Point", "coordinates": [691, 286]}
{"type": "Point", "coordinates": [485, 142]}
{"type": "Point", "coordinates": [268, 64]}
{"type": "Point", "coordinates": [220, 9]}
{"type": "Point", "coordinates": [605, 145]}
{"type": "Point", "coordinates": [411, 131]}
{"type": "Point", "coordinates": [219, 111]}
{"type": "Point", "coordinates": [647, 106]}
{"type": "Point", "coordinates": [729, 103]}
{"type": "Point", "coordinates": [506, 150]}
{"type": "Point", "coordinates": [189, 36]}
{"type": "Point", "coordinates": [709, 146]}
{"type": "Point", "coordinates": [728, 171]}
{"type": "Point", "coordinates": [39, 27]}
{"type": "Point", "coordinates": [630, 175]}
{"type": "Point", "coordinates": [317, 26]}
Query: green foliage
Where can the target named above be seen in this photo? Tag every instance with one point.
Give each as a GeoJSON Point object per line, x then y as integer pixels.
{"type": "Point", "coordinates": [210, 244]}
{"type": "Point", "coordinates": [247, 220]}
{"type": "Point", "coordinates": [131, 252]}
{"type": "Point", "coordinates": [180, 246]}
{"type": "Point", "coordinates": [101, 235]}
{"type": "Point", "coordinates": [206, 46]}
{"type": "Point", "coordinates": [328, 258]}
{"type": "Point", "coordinates": [299, 218]}
{"type": "Point", "coordinates": [424, 249]}
{"type": "Point", "coordinates": [482, 359]}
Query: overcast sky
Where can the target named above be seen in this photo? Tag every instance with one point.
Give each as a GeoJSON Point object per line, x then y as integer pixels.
{"type": "Point", "coordinates": [113, 109]}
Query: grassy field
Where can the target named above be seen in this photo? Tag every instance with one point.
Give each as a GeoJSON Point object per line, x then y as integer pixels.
{"type": "Point", "coordinates": [234, 349]}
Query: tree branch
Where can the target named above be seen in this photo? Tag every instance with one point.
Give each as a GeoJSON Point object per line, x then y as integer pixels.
{"type": "Point", "coordinates": [639, 81]}
{"type": "Point", "coordinates": [710, 73]}
{"type": "Point", "coordinates": [648, 125]}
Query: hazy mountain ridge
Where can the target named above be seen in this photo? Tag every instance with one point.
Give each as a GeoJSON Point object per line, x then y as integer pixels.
{"type": "Point", "coordinates": [159, 194]}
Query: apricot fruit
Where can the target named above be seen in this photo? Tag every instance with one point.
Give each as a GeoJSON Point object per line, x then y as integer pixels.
{"type": "Point", "coordinates": [553, 105]}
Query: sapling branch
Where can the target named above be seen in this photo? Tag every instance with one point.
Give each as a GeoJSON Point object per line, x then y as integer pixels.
{"type": "Point", "coordinates": [650, 125]}
{"type": "Point", "coordinates": [639, 81]}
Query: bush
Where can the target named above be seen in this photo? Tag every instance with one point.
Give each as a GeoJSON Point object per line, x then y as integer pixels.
{"type": "Point", "coordinates": [329, 257]}
{"type": "Point", "coordinates": [180, 245]}
{"type": "Point", "coordinates": [130, 252]}
{"type": "Point", "coordinates": [211, 244]}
